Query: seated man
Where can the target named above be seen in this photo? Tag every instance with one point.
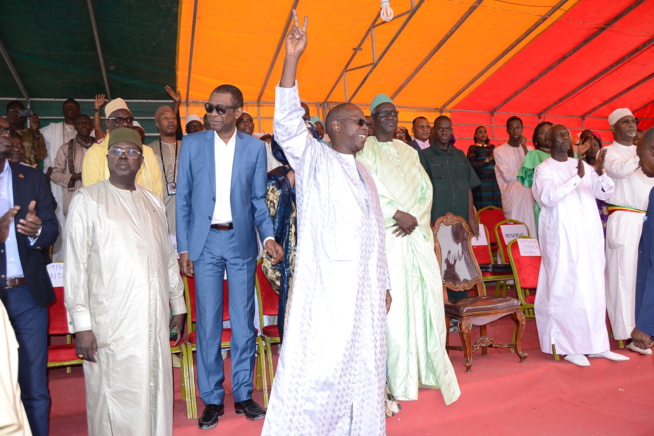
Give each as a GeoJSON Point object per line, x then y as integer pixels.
{"type": "Point", "coordinates": [570, 302]}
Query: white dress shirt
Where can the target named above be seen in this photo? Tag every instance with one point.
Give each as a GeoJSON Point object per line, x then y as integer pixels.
{"type": "Point", "coordinates": [14, 268]}
{"type": "Point", "coordinates": [224, 161]}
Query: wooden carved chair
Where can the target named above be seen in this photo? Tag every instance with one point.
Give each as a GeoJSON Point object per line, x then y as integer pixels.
{"type": "Point", "coordinates": [460, 271]}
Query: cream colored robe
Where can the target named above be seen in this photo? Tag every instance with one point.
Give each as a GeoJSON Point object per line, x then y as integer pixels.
{"type": "Point", "coordinates": [13, 420]}
{"type": "Point", "coordinates": [55, 136]}
{"type": "Point", "coordinates": [415, 326]}
{"type": "Point", "coordinates": [332, 369]}
{"type": "Point", "coordinates": [120, 275]}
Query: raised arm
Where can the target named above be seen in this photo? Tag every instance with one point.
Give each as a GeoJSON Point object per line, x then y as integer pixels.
{"type": "Point", "coordinates": [618, 167]}
{"type": "Point", "coordinates": [549, 192]}
{"type": "Point", "coordinates": [290, 131]}
{"type": "Point", "coordinates": [296, 42]}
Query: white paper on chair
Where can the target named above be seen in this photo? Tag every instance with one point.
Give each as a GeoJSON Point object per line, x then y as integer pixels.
{"type": "Point", "coordinates": [173, 241]}
{"type": "Point", "coordinates": [511, 232]}
{"type": "Point", "coordinates": [56, 272]}
{"type": "Point", "coordinates": [528, 247]}
{"type": "Point", "coordinates": [481, 239]}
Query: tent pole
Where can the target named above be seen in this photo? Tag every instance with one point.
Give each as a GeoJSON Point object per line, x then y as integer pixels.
{"type": "Point", "coordinates": [534, 27]}
{"type": "Point", "coordinates": [438, 46]}
{"type": "Point", "coordinates": [377, 59]}
{"type": "Point", "coordinates": [14, 72]}
{"type": "Point", "coordinates": [619, 94]}
{"type": "Point", "coordinates": [98, 47]}
{"type": "Point", "coordinates": [493, 124]}
{"type": "Point", "coordinates": [581, 45]}
{"type": "Point", "coordinates": [604, 72]}
{"type": "Point", "coordinates": [190, 55]}
{"type": "Point", "coordinates": [280, 43]}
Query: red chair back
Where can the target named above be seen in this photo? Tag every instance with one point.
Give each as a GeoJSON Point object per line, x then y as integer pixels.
{"type": "Point", "coordinates": [58, 324]}
{"type": "Point", "coordinates": [525, 268]}
{"type": "Point", "coordinates": [190, 284]}
{"type": "Point", "coordinates": [489, 216]}
{"type": "Point", "coordinates": [225, 301]}
{"type": "Point", "coordinates": [269, 298]}
{"type": "Point", "coordinates": [521, 230]}
{"type": "Point", "coordinates": [482, 252]}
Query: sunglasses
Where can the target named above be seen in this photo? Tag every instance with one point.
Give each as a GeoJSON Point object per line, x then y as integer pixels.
{"type": "Point", "coordinates": [360, 121]}
{"type": "Point", "coordinates": [118, 152]}
{"type": "Point", "coordinates": [121, 120]}
{"type": "Point", "coordinates": [222, 110]}
{"type": "Point", "coordinates": [385, 114]}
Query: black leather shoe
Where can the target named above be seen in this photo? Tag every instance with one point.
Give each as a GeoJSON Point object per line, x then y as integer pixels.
{"type": "Point", "coordinates": [209, 418]}
{"type": "Point", "coordinates": [250, 409]}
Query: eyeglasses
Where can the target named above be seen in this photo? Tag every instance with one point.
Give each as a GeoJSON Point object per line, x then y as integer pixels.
{"type": "Point", "coordinates": [118, 152]}
{"type": "Point", "coordinates": [386, 114]}
{"type": "Point", "coordinates": [221, 109]}
{"type": "Point", "coordinates": [121, 120]}
{"type": "Point", "coordinates": [360, 121]}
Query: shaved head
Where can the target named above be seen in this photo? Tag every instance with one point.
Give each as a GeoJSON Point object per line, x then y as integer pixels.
{"type": "Point", "coordinates": [336, 113]}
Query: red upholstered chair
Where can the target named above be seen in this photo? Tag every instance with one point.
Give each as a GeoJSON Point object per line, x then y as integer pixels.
{"type": "Point", "coordinates": [520, 229]}
{"type": "Point", "coordinates": [268, 301]}
{"type": "Point", "coordinates": [500, 273]}
{"type": "Point", "coordinates": [526, 270]}
{"type": "Point", "coordinates": [225, 341]}
{"type": "Point", "coordinates": [63, 354]}
{"type": "Point", "coordinates": [460, 271]}
{"type": "Point", "coordinates": [489, 216]}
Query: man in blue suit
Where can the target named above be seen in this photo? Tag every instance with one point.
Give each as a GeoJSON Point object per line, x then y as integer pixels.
{"type": "Point", "coordinates": [643, 334]}
{"type": "Point", "coordinates": [221, 190]}
{"type": "Point", "coordinates": [25, 288]}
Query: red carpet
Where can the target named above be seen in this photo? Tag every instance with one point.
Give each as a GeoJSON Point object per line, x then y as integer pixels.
{"type": "Point", "coordinates": [500, 395]}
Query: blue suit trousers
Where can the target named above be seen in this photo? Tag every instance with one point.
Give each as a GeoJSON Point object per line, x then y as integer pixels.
{"type": "Point", "coordinates": [30, 323]}
{"type": "Point", "coordinates": [221, 253]}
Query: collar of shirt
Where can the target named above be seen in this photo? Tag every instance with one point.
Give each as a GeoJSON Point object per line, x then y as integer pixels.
{"type": "Point", "coordinates": [422, 144]}
{"type": "Point", "coordinates": [218, 140]}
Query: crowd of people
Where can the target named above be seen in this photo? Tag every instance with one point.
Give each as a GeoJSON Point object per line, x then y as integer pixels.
{"type": "Point", "coordinates": [341, 210]}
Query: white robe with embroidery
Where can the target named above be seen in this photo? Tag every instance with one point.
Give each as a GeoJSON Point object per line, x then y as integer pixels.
{"type": "Point", "coordinates": [517, 201]}
{"type": "Point", "coordinates": [121, 278]}
{"type": "Point", "coordinates": [332, 369]}
{"type": "Point", "coordinates": [623, 235]}
{"type": "Point", "coordinates": [570, 306]}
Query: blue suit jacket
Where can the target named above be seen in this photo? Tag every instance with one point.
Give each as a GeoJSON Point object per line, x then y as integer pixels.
{"type": "Point", "coordinates": [196, 193]}
{"type": "Point", "coordinates": [645, 275]}
{"type": "Point", "coordinates": [30, 184]}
